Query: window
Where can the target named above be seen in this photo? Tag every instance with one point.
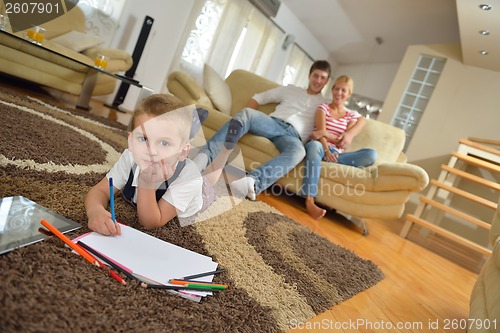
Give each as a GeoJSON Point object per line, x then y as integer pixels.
{"type": "Point", "coordinates": [101, 17]}
{"type": "Point", "coordinates": [228, 35]}
{"type": "Point", "coordinates": [417, 94]}
{"type": "Point", "coordinates": [296, 71]}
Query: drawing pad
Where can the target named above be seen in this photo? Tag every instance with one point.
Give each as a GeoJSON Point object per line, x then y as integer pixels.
{"type": "Point", "coordinates": [20, 220]}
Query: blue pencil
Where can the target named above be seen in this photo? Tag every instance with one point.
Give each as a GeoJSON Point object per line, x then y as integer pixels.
{"type": "Point", "coordinates": [112, 200]}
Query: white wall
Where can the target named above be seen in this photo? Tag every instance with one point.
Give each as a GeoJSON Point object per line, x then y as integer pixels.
{"type": "Point", "coordinates": [464, 103]}
{"type": "Point", "coordinates": [170, 17]}
{"type": "Point", "coordinates": [370, 80]}
{"type": "Point", "coordinates": [290, 24]}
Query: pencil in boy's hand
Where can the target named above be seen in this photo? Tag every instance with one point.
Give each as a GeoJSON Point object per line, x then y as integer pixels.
{"type": "Point", "coordinates": [112, 200]}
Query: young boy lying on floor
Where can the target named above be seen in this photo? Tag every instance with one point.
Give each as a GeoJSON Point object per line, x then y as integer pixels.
{"type": "Point", "coordinates": [154, 173]}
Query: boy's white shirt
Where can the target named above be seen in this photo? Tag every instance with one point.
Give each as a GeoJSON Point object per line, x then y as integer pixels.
{"type": "Point", "coordinates": [184, 193]}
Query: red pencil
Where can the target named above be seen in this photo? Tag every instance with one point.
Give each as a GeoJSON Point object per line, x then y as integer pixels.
{"type": "Point", "coordinates": [81, 251]}
{"type": "Point", "coordinates": [117, 277]}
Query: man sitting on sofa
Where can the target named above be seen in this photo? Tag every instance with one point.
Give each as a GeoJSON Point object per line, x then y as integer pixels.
{"type": "Point", "coordinates": [288, 127]}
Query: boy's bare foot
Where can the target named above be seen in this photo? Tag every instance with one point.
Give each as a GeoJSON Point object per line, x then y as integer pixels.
{"type": "Point", "coordinates": [313, 210]}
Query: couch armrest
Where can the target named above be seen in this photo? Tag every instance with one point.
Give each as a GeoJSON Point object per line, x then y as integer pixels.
{"type": "Point", "coordinates": [119, 60]}
{"type": "Point", "coordinates": [386, 177]}
{"type": "Point", "coordinates": [188, 90]}
{"type": "Point", "coordinates": [419, 179]}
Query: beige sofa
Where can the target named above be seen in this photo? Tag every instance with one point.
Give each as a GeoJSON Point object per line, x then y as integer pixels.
{"type": "Point", "coordinates": [485, 297]}
{"type": "Point", "coordinates": [29, 62]}
{"type": "Point", "coordinates": [379, 191]}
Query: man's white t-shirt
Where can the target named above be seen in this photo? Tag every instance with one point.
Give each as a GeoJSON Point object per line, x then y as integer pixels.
{"type": "Point", "coordinates": [295, 106]}
{"type": "Point", "coordinates": [184, 193]}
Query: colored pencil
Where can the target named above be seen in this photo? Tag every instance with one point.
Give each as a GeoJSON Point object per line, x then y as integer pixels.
{"type": "Point", "coordinates": [198, 283]}
{"type": "Point", "coordinates": [80, 250]}
{"type": "Point", "coordinates": [189, 277]}
{"type": "Point", "coordinates": [106, 260]}
{"type": "Point", "coordinates": [178, 288]}
{"type": "Point", "coordinates": [115, 276]}
{"type": "Point", "coordinates": [112, 200]}
{"type": "Point", "coordinates": [111, 273]}
{"type": "Point", "coordinates": [66, 240]}
{"type": "Point", "coordinates": [201, 285]}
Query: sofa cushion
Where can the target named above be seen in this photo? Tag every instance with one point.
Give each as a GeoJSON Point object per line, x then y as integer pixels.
{"type": "Point", "coordinates": [388, 141]}
{"type": "Point", "coordinates": [77, 41]}
{"type": "Point", "coordinates": [73, 20]}
{"type": "Point", "coordinates": [188, 90]}
{"type": "Point", "coordinates": [217, 89]}
{"type": "Point", "coordinates": [244, 85]}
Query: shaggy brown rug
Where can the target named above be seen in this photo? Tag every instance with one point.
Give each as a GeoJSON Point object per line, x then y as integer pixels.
{"type": "Point", "coordinates": [278, 270]}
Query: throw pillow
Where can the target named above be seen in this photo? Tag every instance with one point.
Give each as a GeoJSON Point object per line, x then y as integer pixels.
{"type": "Point", "coordinates": [217, 90]}
{"type": "Point", "coordinates": [77, 41]}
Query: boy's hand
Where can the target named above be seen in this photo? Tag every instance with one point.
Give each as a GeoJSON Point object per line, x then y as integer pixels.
{"type": "Point", "coordinates": [100, 221]}
{"type": "Point", "coordinates": [155, 174]}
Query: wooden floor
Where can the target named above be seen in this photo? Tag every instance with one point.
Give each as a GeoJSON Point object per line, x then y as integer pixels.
{"type": "Point", "coordinates": [422, 291]}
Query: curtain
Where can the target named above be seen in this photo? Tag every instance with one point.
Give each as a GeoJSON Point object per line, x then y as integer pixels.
{"type": "Point", "coordinates": [234, 19]}
{"type": "Point", "coordinates": [227, 35]}
{"type": "Point", "coordinates": [102, 17]}
{"type": "Point", "coordinates": [297, 68]}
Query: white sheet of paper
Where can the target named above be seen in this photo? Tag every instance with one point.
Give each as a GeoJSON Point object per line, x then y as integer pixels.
{"type": "Point", "coordinates": [149, 256]}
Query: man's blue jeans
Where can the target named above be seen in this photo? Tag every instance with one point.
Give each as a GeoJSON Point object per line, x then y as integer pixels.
{"type": "Point", "coordinates": [315, 154]}
{"type": "Point", "coordinates": [283, 135]}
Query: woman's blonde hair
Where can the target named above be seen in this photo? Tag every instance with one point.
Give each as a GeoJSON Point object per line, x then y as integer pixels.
{"type": "Point", "coordinates": [345, 79]}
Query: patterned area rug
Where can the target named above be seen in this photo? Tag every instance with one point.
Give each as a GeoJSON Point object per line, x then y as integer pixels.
{"type": "Point", "coordinates": [279, 272]}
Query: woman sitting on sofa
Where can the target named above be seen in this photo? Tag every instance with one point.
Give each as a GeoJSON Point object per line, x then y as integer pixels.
{"type": "Point", "coordinates": [335, 128]}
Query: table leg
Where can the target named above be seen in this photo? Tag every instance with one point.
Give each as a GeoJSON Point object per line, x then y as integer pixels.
{"type": "Point", "coordinates": [87, 89]}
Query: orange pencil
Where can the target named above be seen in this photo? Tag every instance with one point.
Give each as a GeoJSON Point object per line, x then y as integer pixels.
{"type": "Point", "coordinates": [74, 246]}
{"type": "Point", "coordinates": [81, 251]}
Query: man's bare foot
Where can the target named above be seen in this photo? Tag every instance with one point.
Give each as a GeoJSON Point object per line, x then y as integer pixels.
{"type": "Point", "coordinates": [313, 210]}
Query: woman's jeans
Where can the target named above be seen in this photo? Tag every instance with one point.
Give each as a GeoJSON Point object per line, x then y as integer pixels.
{"type": "Point", "coordinates": [283, 135]}
{"type": "Point", "coordinates": [315, 154]}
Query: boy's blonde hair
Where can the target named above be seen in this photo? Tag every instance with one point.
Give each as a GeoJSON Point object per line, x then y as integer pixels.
{"type": "Point", "coordinates": [168, 107]}
{"type": "Point", "coordinates": [345, 79]}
